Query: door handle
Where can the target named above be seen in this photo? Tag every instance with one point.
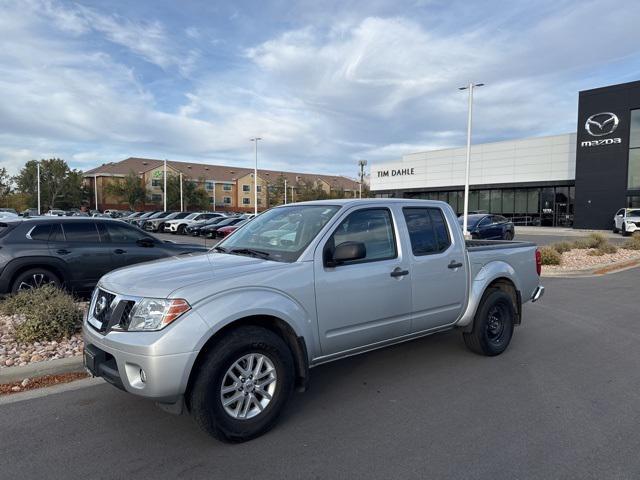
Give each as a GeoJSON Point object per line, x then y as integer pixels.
{"type": "Point", "coordinates": [119, 251]}
{"type": "Point", "coordinates": [398, 272]}
{"type": "Point", "coordinates": [63, 251]}
{"type": "Point", "coordinates": [454, 264]}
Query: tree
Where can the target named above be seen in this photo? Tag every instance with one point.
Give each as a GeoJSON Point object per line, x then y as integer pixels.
{"type": "Point", "coordinates": [5, 184]}
{"type": "Point", "coordinates": [306, 191]}
{"type": "Point", "coordinates": [58, 183]}
{"type": "Point", "coordinates": [128, 189]}
{"type": "Point", "coordinates": [193, 197]}
{"type": "Point", "coordinates": [275, 192]}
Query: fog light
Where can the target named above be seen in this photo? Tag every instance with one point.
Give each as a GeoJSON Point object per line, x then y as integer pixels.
{"type": "Point", "coordinates": [143, 376]}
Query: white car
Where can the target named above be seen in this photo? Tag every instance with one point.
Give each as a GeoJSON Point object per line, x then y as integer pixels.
{"type": "Point", "coordinates": [178, 226]}
{"type": "Point", "coordinates": [627, 221]}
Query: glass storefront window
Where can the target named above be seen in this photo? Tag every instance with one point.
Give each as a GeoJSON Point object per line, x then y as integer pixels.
{"type": "Point", "coordinates": [473, 200]}
{"type": "Point", "coordinates": [533, 196]}
{"type": "Point", "coordinates": [453, 201]}
{"type": "Point", "coordinates": [496, 201]}
{"type": "Point", "coordinates": [521, 202]}
{"type": "Point", "coordinates": [484, 200]}
{"type": "Point", "coordinates": [633, 182]}
{"type": "Point", "coordinates": [443, 197]}
{"type": "Point", "coordinates": [634, 131]}
{"type": "Point", "coordinates": [633, 201]}
{"type": "Point", "coordinates": [508, 198]}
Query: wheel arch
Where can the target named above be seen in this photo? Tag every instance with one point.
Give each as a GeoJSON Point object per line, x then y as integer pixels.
{"type": "Point", "coordinates": [280, 327]}
{"type": "Point", "coordinates": [16, 268]}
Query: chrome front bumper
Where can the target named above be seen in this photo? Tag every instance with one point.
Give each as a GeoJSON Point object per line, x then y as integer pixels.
{"type": "Point", "coordinates": [537, 293]}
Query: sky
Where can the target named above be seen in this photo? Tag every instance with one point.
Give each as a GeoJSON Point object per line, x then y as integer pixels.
{"type": "Point", "coordinates": [324, 83]}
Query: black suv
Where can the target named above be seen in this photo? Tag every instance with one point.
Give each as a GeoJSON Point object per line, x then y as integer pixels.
{"type": "Point", "coordinates": [73, 252]}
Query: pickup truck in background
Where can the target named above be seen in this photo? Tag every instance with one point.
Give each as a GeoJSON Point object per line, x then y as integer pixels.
{"type": "Point", "coordinates": [229, 335]}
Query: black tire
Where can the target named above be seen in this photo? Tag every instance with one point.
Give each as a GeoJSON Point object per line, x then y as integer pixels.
{"type": "Point", "coordinates": [181, 229]}
{"type": "Point", "coordinates": [615, 230]}
{"type": "Point", "coordinates": [508, 235]}
{"type": "Point", "coordinates": [205, 401]}
{"type": "Point", "coordinates": [624, 231]}
{"type": "Point", "coordinates": [35, 277]}
{"type": "Point", "coordinates": [492, 325]}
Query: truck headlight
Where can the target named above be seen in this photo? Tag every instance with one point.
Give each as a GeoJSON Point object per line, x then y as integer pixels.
{"type": "Point", "coordinates": [155, 313]}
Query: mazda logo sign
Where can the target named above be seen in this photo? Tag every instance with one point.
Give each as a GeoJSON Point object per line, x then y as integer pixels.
{"type": "Point", "coordinates": [101, 305]}
{"type": "Point", "coordinates": [601, 124]}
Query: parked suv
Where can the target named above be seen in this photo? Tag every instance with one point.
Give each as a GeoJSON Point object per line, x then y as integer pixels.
{"type": "Point", "coordinates": [179, 226]}
{"type": "Point", "coordinates": [73, 252]}
{"type": "Point", "coordinates": [627, 221]}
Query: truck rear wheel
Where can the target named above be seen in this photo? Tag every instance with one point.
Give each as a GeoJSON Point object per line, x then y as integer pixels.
{"type": "Point", "coordinates": [492, 325]}
{"type": "Point", "coordinates": [242, 385]}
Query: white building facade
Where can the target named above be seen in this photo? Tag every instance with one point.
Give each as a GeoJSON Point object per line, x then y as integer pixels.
{"type": "Point", "coordinates": [531, 180]}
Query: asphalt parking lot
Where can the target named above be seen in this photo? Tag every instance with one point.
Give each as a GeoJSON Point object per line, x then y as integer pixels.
{"type": "Point", "coordinates": [562, 402]}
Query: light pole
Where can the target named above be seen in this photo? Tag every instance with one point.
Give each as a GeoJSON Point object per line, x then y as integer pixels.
{"type": "Point", "coordinates": [285, 191]}
{"type": "Point", "coordinates": [255, 177]}
{"type": "Point", "coordinates": [214, 195]}
{"type": "Point", "coordinates": [164, 196]}
{"type": "Point", "coordinates": [38, 175]}
{"type": "Point", "coordinates": [362, 164]}
{"type": "Point", "coordinates": [469, 87]}
{"type": "Point", "coordinates": [95, 189]}
{"type": "Point", "coordinates": [181, 202]}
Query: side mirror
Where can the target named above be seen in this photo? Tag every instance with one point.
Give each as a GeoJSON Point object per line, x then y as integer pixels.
{"type": "Point", "coordinates": [346, 252]}
{"type": "Point", "coordinates": [145, 242]}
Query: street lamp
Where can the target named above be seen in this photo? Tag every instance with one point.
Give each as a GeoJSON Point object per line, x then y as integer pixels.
{"type": "Point", "coordinates": [469, 87]}
{"type": "Point", "coordinates": [362, 164]}
{"type": "Point", "coordinates": [255, 177]}
{"type": "Point", "coordinates": [95, 189]}
{"type": "Point", "coordinates": [38, 175]}
{"type": "Point", "coordinates": [181, 202]}
{"type": "Point", "coordinates": [164, 196]}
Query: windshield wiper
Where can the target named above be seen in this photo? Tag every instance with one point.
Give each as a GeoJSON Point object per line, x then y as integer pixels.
{"type": "Point", "coordinates": [250, 251]}
{"type": "Point", "coordinates": [220, 249]}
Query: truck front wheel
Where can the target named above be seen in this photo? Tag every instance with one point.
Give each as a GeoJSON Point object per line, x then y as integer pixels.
{"type": "Point", "coordinates": [243, 384]}
{"type": "Point", "coordinates": [492, 325]}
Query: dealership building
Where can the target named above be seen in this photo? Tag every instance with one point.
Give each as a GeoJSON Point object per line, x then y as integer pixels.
{"type": "Point", "coordinates": [573, 180]}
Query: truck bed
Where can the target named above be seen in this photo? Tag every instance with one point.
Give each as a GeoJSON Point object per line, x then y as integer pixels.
{"type": "Point", "coordinates": [478, 245]}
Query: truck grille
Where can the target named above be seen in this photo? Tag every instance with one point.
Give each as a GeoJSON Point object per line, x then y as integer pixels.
{"type": "Point", "coordinates": [108, 311]}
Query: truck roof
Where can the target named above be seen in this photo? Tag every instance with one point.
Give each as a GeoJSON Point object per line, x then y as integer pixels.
{"type": "Point", "coordinates": [363, 201]}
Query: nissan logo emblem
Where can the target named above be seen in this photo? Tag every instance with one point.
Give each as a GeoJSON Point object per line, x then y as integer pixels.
{"type": "Point", "coordinates": [101, 304]}
{"type": "Point", "coordinates": [601, 124]}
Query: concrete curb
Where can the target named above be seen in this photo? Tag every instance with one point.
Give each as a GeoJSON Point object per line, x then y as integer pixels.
{"type": "Point", "coordinates": [53, 389]}
{"type": "Point", "coordinates": [39, 369]}
{"type": "Point", "coordinates": [604, 269]}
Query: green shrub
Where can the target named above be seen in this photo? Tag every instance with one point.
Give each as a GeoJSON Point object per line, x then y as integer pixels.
{"type": "Point", "coordinates": [45, 313]}
{"type": "Point", "coordinates": [633, 243]}
{"type": "Point", "coordinates": [582, 244]}
{"type": "Point", "coordinates": [603, 249]}
{"type": "Point", "coordinates": [562, 247]}
{"type": "Point", "coordinates": [550, 256]}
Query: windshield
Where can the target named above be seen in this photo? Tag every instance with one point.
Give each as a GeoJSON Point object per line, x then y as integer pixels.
{"type": "Point", "coordinates": [472, 220]}
{"type": "Point", "coordinates": [633, 213]}
{"type": "Point", "coordinates": [191, 216]}
{"type": "Point", "coordinates": [283, 233]}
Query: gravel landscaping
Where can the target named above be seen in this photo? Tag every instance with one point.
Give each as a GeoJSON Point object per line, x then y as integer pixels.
{"type": "Point", "coordinates": [13, 353]}
{"type": "Point", "coordinates": [579, 259]}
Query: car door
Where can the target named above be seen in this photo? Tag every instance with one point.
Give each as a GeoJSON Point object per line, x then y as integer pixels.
{"type": "Point", "coordinates": [129, 245]}
{"type": "Point", "coordinates": [365, 301]}
{"type": "Point", "coordinates": [438, 273]}
{"type": "Point", "coordinates": [78, 244]}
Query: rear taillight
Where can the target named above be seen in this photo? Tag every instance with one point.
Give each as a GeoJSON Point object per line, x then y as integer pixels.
{"type": "Point", "coordinates": [538, 262]}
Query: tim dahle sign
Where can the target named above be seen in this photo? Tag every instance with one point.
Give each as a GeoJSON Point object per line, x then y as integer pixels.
{"type": "Point", "coordinates": [600, 125]}
{"type": "Point", "coordinates": [395, 172]}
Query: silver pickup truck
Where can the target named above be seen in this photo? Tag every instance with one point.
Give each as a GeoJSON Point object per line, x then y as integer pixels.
{"type": "Point", "coordinates": [227, 335]}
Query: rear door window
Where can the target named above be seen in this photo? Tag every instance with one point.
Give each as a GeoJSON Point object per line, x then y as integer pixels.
{"type": "Point", "coordinates": [81, 232]}
{"type": "Point", "coordinates": [428, 230]}
{"type": "Point", "coordinates": [118, 233]}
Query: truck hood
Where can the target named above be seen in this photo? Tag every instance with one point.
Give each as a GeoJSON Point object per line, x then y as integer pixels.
{"type": "Point", "coordinates": [161, 277]}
